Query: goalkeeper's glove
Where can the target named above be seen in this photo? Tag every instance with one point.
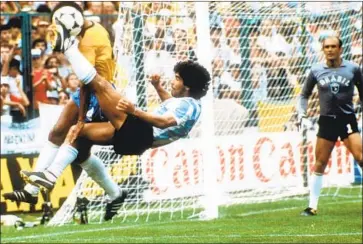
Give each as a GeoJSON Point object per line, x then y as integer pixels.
{"type": "Point", "coordinates": [302, 122]}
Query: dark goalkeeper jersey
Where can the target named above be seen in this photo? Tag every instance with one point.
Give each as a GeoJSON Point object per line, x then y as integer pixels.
{"type": "Point", "coordinates": [335, 88]}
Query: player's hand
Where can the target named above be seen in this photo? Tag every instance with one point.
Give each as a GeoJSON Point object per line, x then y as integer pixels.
{"type": "Point", "coordinates": [74, 132]}
{"type": "Point", "coordinates": [155, 80]}
{"type": "Point", "coordinates": [126, 106]}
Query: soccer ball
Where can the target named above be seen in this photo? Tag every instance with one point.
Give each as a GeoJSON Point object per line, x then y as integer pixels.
{"type": "Point", "coordinates": [71, 18]}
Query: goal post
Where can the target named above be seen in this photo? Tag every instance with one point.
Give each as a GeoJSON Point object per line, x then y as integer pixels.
{"type": "Point", "coordinates": [245, 148]}
{"type": "Point", "coordinates": [211, 192]}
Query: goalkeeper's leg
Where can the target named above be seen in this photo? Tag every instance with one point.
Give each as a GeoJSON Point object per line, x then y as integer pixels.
{"type": "Point", "coordinates": [323, 151]}
{"type": "Point", "coordinates": [354, 144]}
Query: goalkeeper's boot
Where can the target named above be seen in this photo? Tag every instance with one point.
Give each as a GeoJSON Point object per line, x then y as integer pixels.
{"type": "Point", "coordinates": [309, 212]}
{"type": "Point", "coordinates": [21, 196]}
{"type": "Point", "coordinates": [38, 178]}
{"type": "Point", "coordinates": [114, 206]}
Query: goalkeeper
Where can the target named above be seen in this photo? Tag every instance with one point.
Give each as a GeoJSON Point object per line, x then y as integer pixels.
{"type": "Point", "coordinates": [335, 79]}
{"type": "Point", "coordinates": [95, 45]}
{"type": "Point", "coordinates": [131, 131]}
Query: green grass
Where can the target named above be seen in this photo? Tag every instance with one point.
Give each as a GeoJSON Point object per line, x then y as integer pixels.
{"type": "Point", "coordinates": [339, 221]}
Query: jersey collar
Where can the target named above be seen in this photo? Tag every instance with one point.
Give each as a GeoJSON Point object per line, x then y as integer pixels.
{"type": "Point", "coordinates": [343, 64]}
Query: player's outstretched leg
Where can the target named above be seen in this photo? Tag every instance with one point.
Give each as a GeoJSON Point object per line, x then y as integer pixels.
{"type": "Point", "coordinates": [39, 179]}
{"type": "Point", "coordinates": [106, 95]}
{"type": "Point", "coordinates": [98, 172]}
{"type": "Point", "coordinates": [67, 118]}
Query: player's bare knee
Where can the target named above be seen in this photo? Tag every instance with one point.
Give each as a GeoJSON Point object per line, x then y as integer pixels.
{"type": "Point", "coordinates": [320, 166]}
{"type": "Point", "coordinates": [321, 161]}
{"type": "Point", "coordinates": [98, 84]}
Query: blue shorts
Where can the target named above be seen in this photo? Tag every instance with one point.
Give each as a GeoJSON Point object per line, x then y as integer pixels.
{"type": "Point", "coordinates": [94, 113]}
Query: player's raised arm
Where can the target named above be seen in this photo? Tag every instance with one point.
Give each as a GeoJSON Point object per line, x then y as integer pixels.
{"type": "Point", "coordinates": [163, 94]}
{"type": "Point", "coordinates": [302, 102]}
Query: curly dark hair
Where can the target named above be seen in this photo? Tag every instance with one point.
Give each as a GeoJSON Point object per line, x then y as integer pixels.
{"type": "Point", "coordinates": [69, 4]}
{"type": "Point", "coordinates": [194, 76]}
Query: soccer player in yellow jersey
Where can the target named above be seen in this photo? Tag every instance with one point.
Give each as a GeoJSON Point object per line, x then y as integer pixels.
{"type": "Point", "coordinates": [95, 45]}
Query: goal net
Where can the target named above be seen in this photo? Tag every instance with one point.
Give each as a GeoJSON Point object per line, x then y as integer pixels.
{"type": "Point", "coordinates": [246, 147]}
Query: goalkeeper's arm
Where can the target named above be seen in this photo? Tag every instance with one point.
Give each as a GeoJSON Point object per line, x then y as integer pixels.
{"type": "Point", "coordinates": [303, 98]}
{"type": "Point", "coordinates": [302, 101]}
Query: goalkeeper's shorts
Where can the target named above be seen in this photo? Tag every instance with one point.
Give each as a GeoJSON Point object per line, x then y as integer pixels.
{"type": "Point", "coordinates": [134, 137]}
{"type": "Point", "coordinates": [332, 127]}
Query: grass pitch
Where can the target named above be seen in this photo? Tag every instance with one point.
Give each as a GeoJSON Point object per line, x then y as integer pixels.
{"type": "Point", "coordinates": [339, 220]}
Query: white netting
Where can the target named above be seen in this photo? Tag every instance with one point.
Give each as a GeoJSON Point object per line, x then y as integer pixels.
{"type": "Point", "coordinates": [261, 53]}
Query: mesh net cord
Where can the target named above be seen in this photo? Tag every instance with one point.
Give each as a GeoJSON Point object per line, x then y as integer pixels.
{"type": "Point", "coordinates": [261, 55]}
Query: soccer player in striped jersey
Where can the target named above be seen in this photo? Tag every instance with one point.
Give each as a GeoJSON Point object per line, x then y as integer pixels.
{"type": "Point", "coordinates": [131, 131]}
{"type": "Point", "coordinates": [336, 79]}
{"type": "Point", "coordinates": [95, 45]}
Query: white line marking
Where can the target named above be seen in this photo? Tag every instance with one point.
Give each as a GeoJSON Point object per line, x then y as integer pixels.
{"type": "Point", "coordinates": [139, 238]}
{"type": "Point", "coordinates": [284, 209]}
{"type": "Point", "coordinates": [168, 222]}
{"type": "Point", "coordinates": [83, 231]}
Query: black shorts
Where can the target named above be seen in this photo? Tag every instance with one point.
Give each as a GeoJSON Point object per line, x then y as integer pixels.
{"type": "Point", "coordinates": [134, 137]}
{"type": "Point", "coordinates": [330, 128]}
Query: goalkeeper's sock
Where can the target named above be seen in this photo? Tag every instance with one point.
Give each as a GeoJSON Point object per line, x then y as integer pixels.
{"type": "Point", "coordinates": [97, 171]}
{"type": "Point", "coordinates": [45, 159]}
{"type": "Point", "coordinates": [316, 184]}
{"type": "Point", "coordinates": [80, 65]}
{"type": "Point", "coordinates": [66, 155]}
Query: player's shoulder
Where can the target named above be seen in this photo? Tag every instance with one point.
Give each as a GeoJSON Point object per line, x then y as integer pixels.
{"type": "Point", "coordinates": [317, 67]}
{"type": "Point", "coordinates": [98, 34]}
{"type": "Point", "coordinates": [189, 100]}
{"type": "Point", "coordinates": [184, 101]}
{"type": "Point", "coordinates": [96, 27]}
{"type": "Point", "coordinates": [350, 64]}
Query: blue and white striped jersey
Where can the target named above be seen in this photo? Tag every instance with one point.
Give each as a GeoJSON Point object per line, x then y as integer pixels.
{"type": "Point", "coordinates": [186, 111]}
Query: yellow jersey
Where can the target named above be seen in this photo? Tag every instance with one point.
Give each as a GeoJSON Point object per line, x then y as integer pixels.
{"type": "Point", "coordinates": [95, 45]}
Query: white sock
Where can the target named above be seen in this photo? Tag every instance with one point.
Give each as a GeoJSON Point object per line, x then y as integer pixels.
{"type": "Point", "coordinates": [66, 155]}
{"type": "Point", "coordinates": [316, 184]}
{"type": "Point", "coordinates": [46, 157]}
{"type": "Point", "coordinates": [80, 65]}
{"type": "Point", "coordinates": [97, 171]}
